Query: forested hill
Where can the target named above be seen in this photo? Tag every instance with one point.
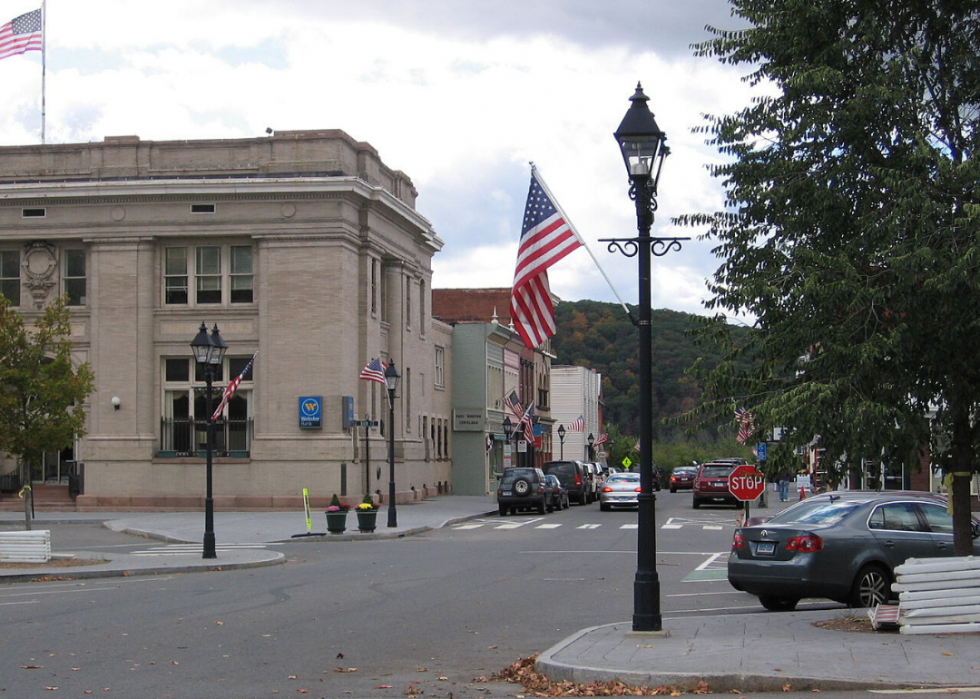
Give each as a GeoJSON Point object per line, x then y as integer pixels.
{"type": "Point", "coordinates": [600, 336]}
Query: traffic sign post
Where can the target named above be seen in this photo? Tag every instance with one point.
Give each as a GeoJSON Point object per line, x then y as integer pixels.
{"type": "Point", "coordinates": [746, 484]}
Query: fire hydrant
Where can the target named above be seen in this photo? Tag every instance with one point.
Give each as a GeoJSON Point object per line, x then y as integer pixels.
{"type": "Point", "coordinates": [802, 493]}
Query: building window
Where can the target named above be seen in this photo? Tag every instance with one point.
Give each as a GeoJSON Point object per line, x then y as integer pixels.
{"type": "Point", "coordinates": [408, 303]}
{"type": "Point", "coordinates": [73, 277]}
{"type": "Point", "coordinates": [221, 272]}
{"type": "Point", "coordinates": [185, 414]}
{"type": "Point", "coordinates": [374, 287]}
{"type": "Point", "coordinates": [440, 367]}
{"type": "Point", "coordinates": [422, 307]}
{"type": "Point", "coordinates": [10, 276]}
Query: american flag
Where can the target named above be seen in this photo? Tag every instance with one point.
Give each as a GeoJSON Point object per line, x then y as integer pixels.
{"type": "Point", "coordinates": [374, 371]}
{"type": "Point", "coordinates": [20, 35]}
{"type": "Point", "coordinates": [577, 425]}
{"type": "Point", "coordinates": [546, 237]}
{"type": "Point", "coordinates": [527, 420]}
{"type": "Point", "coordinates": [603, 438]}
{"type": "Point", "coordinates": [636, 447]}
{"type": "Point", "coordinates": [745, 427]}
{"type": "Point", "coordinates": [231, 388]}
{"type": "Point", "coordinates": [514, 403]}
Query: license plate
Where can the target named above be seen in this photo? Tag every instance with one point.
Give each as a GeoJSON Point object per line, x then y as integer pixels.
{"type": "Point", "coordinates": [507, 493]}
{"type": "Point", "coordinates": [765, 548]}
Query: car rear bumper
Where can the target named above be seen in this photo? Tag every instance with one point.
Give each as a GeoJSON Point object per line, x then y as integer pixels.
{"type": "Point", "coordinates": [793, 578]}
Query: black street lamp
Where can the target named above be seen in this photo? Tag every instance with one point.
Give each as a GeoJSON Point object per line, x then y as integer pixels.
{"type": "Point", "coordinates": [591, 440]}
{"type": "Point", "coordinates": [391, 383]}
{"type": "Point", "coordinates": [508, 430]}
{"type": "Point", "coordinates": [209, 351]}
{"type": "Point", "coordinates": [561, 439]}
{"type": "Point", "coordinates": [643, 147]}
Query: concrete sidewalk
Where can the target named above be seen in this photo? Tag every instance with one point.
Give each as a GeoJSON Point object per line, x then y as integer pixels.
{"type": "Point", "coordinates": [762, 651]}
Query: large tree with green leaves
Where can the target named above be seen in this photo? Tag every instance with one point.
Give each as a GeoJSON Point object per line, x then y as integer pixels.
{"type": "Point", "coordinates": [41, 393]}
{"type": "Point", "coordinates": [851, 233]}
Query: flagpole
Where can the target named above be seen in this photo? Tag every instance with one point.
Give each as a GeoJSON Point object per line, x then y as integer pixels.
{"type": "Point", "coordinates": [544, 186]}
{"type": "Point", "coordinates": [44, 65]}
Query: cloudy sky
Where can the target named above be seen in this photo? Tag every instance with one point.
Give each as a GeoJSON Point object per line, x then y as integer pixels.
{"type": "Point", "coordinates": [458, 94]}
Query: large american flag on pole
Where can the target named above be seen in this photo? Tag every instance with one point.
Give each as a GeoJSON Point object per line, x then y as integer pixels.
{"type": "Point", "coordinates": [20, 35]}
{"type": "Point", "coordinates": [745, 425]}
{"type": "Point", "coordinates": [374, 371]}
{"type": "Point", "coordinates": [546, 237]}
{"type": "Point", "coordinates": [231, 388]}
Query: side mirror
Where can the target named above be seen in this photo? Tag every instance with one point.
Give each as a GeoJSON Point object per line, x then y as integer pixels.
{"type": "Point", "coordinates": [975, 528]}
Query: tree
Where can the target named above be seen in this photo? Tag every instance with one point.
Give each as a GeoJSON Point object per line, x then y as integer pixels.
{"type": "Point", "coordinates": [852, 231]}
{"type": "Point", "coordinates": [41, 394]}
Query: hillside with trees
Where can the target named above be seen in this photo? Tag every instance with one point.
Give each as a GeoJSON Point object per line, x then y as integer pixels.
{"type": "Point", "coordinates": [600, 336]}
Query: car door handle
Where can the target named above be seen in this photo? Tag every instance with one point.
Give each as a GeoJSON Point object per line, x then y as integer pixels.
{"type": "Point", "coordinates": [943, 545]}
{"type": "Point", "coordinates": [888, 544]}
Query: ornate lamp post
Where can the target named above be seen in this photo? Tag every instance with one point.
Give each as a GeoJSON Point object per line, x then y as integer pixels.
{"type": "Point", "coordinates": [209, 352]}
{"type": "Point", "coordinates": [591, 441]}
{"type": "Point", "coordinates": [561, 439]}
{"type": "Point", "coordinates": [643, 147]}
{"type": "Point", "coordinates": [391, 383]}
{"type": "Point", "coordinates": [508, 430]}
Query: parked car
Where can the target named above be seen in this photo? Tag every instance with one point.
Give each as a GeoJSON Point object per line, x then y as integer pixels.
{"type": "Point", "coordinates": [620, 490]}
{"type": "Point", "coordinates": [842, 545]}
{"type": "Point", "coordinates": [592, 470]}
{"type": "Point", "coordinates": [522, 488]}
{"type": "Point", "coordinates": [573, 476]}
{"type": "Point", "coordinates": [559, 495]}
{"type": "Point", "coordinates": [682, 478]}
{"type": "Point", "coordinates": [711, 485]}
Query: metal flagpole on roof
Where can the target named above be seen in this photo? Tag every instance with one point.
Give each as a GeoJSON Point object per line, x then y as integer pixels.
{"type": "Point", "coordinates": [544, 186]}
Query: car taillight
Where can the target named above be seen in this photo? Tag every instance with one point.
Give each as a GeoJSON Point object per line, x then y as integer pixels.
{"type": "Point", "coordinates": [738, 542]}
{"type": "Point", "coordinates": [805, 544]}
{"type": "Point", "coordinates": [578, 479]}
{"type": "Point", "coordinates": [639, 489]}
{"type": "Point", "coordinates": [607, 489]}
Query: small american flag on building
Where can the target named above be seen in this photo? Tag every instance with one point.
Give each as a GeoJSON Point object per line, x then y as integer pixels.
{"type": "Point", "coordinates": [21, 34]}
{"type": "Point", "coordinates": [231, 388]}
{"type": "Point", "coordinates": [603, 438]}
{"type": "Point", "coordinates": [374, 371]}
{"type": "Point", "coordinates": [546, 237]}
{"type": "Point", "coordinates": [577, 425]}
{"type": "Point", "coordinates": [527, 420]}
{"type": "Point", "coordinates": [513, 403]}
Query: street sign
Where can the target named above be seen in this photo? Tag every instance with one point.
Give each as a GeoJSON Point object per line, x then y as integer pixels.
{"type": "Point", "coordinates": [745, 483]}
{"type": "Point", "coordinates": [760, 451]}
{"type": "Point", "coordinates": [627, 462]}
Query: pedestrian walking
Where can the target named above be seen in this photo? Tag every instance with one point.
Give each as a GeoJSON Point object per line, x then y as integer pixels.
{"type": "Point", "coordinates": [784, 486]}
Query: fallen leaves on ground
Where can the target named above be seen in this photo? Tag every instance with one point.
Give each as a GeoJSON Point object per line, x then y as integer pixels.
{"type": "Point", "coordinates": [522, 672]}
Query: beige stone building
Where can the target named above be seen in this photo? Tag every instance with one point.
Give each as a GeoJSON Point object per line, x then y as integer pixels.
{"type": "Point", "coordinates": [303, 247]}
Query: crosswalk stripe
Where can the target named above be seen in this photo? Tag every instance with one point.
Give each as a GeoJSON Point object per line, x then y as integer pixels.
{"type": "Point", "coordinates": [547, 526]}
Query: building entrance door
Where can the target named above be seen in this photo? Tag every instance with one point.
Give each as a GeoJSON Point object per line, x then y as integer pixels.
{"type": "Point", "coordinates": [53, 468]}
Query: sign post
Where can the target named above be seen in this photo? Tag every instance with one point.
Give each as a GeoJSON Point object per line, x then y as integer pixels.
{"type": "Point", "coordinates": [746, 484]}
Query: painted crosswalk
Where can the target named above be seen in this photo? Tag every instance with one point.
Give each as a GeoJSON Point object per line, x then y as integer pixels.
{"type": "Point", "coordinates": [195, 549]}
{"type": "Point", "coordinates": [538, 524]}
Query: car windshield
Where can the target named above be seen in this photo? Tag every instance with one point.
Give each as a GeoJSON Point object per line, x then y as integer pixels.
{"type": "Point", "coordinates": [565, 468]}
{"type": "Point", "coordinates": [715, 471]}
{"type": "Point", "coordinates": [512, 474]}
{"type": "Point", "coordinates": [624, 477]}
{"type": "Point", "coordinates": [817, 512]}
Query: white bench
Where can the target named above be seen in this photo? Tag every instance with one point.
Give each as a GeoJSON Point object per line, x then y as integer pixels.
{"type": "Point", "coordinates": [25, 547]}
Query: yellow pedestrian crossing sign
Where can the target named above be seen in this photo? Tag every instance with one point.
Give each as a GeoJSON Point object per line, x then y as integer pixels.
{"type": "Point", "coordinates": [627, 462]}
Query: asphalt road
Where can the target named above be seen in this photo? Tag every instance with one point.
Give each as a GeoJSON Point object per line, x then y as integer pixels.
{"type": "Point", "coordinates": [434, 615]}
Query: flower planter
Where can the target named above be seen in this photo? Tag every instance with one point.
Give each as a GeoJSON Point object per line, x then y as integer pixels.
{"type": "Point", "coordinates": [367, 520]}
{"type": "Point", "coordinates": [337, 522]}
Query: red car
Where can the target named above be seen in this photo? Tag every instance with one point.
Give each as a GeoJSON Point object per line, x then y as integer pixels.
{"type": "Point", "coordinates": [711, 485]}
{"type": "Point", "coordinates": [682, 478]}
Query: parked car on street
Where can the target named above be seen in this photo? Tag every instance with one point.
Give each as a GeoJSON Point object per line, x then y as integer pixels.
{"type": "Point", "coordinates": [620, 490]}
{"type": "Point", "coordinates": [573, 476]}
{"type": "Point", "coordinates": [842, 545]}
{"type": "Point", "coordinates": [711, 485]}
{"type": "Point", "coordinates": [559, 495]}
{"type": "Point", "coordinates": [522, 488]}
{"type": "Point", "coordinates": [593, 473]}
{"type": "Point", "coordinates": [682, 478]}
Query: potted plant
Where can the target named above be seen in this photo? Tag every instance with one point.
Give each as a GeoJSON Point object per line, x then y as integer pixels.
{"type": "Point", "coordinates": [337, 515]}
{"type": "Point", "coordinates": [367, 514]}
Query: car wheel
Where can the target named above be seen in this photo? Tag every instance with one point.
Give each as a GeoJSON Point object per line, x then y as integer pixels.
{"type": "Point", "coordinates": [568, 503]}
{"type": "Point", "coordinates": [521, 487]}
{"type": "Point", "coordinates": [872, 586]}
{"type": "Point", "coordinates": [542, 508]}
{"type": "Point", "coordinates": [778, 604]}
{"type": "Point", "coordinates": [673, 490]}
{"type": "Point", "coordinates": [582, 499]}
{"type": "Point", "coordinates": [604, 507]}
{"type": "Point", "coordinates": [551, 506]}
{"type": "Point", "coordinates": [503, 511]}
{"type": "Point", "coordinates": [696, 503]}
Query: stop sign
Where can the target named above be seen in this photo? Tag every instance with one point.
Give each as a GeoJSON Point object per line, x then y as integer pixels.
{"type": "Point", "coordinates": [745, 483]}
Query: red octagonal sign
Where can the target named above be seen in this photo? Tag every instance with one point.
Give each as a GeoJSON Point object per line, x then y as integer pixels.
{"type": "Point", "coordinates": [745, 483]}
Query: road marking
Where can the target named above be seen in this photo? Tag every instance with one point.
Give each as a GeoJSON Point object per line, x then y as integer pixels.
{"type": "Point", "coordinates": [468, 526]}
{"type": "Point", "coordinates": [630, 526]}
{"type": "Point", "coordinates": [589, 526]}
{"type": "Point", "coordinates": [188, 549]}
{"type": "Point", "coordinates": [510, 525]}
{"type": "Point", "coordinates": [547, 526]}
{"type": "Point", "coordinates": [712, 527]}
{"type": "Point", "coordinates": [672, 526]}
{"type": "Point", "coordinates": [934, 690]}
